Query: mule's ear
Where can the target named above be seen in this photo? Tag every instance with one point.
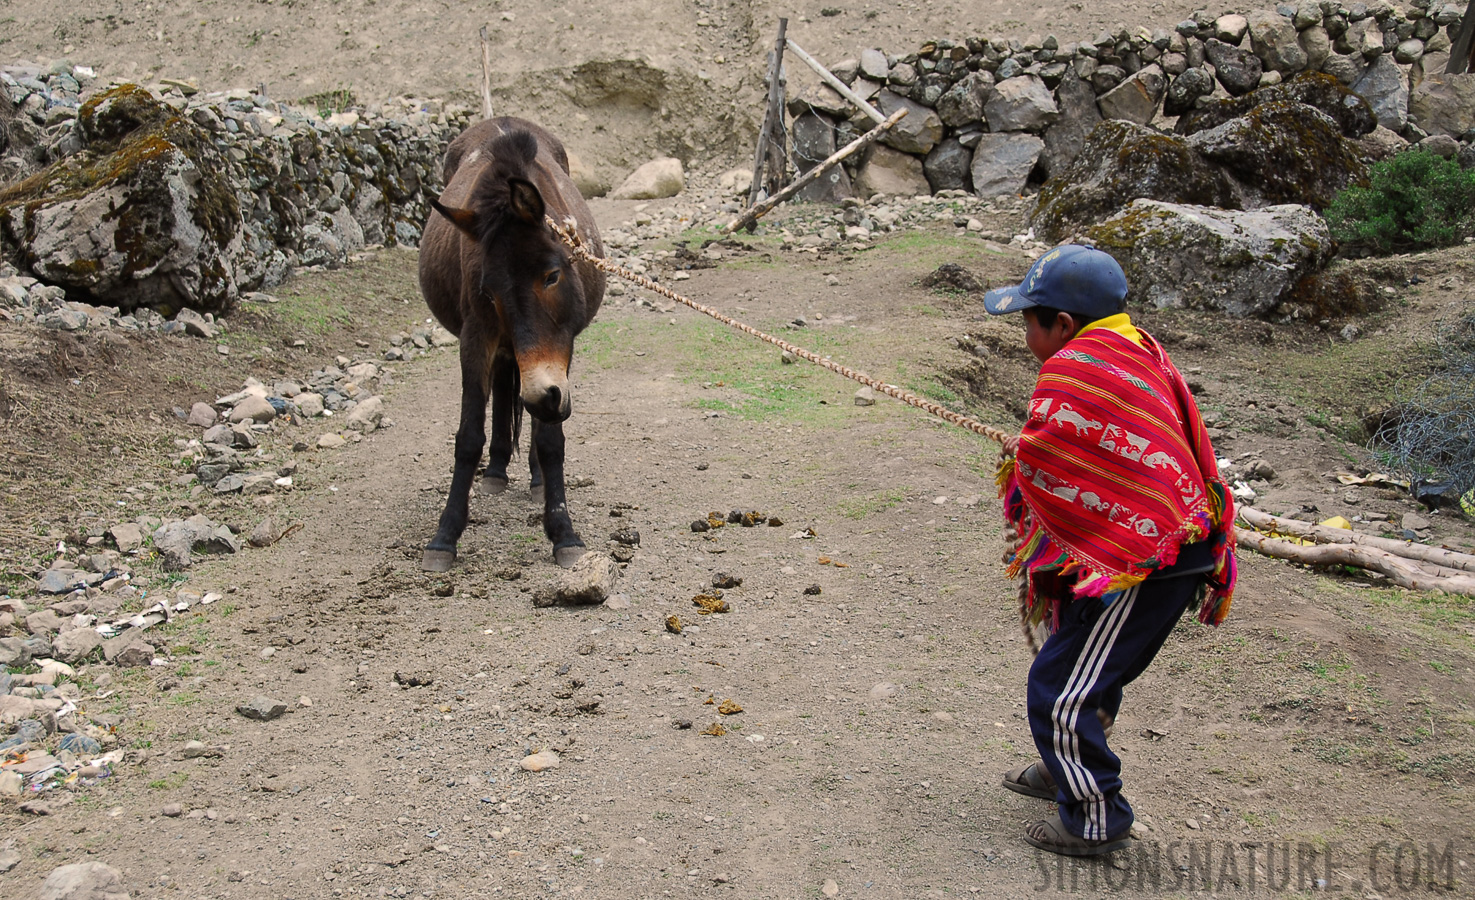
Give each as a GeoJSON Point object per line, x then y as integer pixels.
{"type": "Point", "coordinates": [527, 203]}
{"type": "Point", "coordinates": [463, 219]}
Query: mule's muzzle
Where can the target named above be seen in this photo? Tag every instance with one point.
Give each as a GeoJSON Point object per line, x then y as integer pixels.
{"type": "Point", "coordinates": [550, 403]}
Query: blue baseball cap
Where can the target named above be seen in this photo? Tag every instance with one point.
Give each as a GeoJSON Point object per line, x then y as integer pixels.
{"type": "Point", "coordinates": [1071, 278]}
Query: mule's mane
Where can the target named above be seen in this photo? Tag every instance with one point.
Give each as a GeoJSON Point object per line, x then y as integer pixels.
{"type": "Point", "coordinates": [512, 154]}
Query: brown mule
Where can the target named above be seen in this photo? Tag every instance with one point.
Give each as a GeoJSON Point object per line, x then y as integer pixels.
{"type": "Point", "coordinates": [496, 276]}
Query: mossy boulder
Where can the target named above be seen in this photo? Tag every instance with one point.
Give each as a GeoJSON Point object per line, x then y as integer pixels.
{"type": "Point", "coordinates": [1122, 162]}
{"type": "Point", "coordinates": [1283, 152]}
{"type": "Point", "coordinates": [1350, 111]}
{"type": "Point", "coordinates": [1245, 263]}
{"type": "Point", "coordinates": [144, 216]}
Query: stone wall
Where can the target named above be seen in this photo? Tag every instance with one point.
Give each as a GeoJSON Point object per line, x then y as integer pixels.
{"type": "Point", "coordinates": [312, 185]}
{"type": "Point", "coordinates": [990, 115]}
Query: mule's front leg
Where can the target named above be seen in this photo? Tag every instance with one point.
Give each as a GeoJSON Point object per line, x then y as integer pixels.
{"type": "Point", "coordinates": [548, 444]}
{"type": "Point", "coordinates": [506, 410]}
{"type": "Point", "coordinates": [440, 553]}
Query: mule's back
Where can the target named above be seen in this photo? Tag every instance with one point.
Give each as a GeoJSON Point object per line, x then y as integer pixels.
{"type": "Point", "coordinates": [448, 257]}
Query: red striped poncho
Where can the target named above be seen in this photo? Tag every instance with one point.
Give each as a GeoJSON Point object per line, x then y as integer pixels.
{"type": "Point", "coordinates": [1114, 474]}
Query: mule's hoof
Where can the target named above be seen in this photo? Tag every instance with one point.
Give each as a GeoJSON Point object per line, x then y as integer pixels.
{"type": "Point", "coordinates": [491, 484]}
{"type": "Point", "coordinates": [567, 556]}
{"type": "Point", "coordinates": [438, 560]}
{"type": "Point", "coordinates": [535, 493]}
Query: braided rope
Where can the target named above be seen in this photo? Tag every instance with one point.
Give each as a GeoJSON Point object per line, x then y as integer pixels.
{"type": "Point", "coordinates": [569, 235]}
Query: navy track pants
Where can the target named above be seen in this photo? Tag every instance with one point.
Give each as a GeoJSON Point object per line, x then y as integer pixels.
{"type": "Point", "coordinates": [1083, 667]}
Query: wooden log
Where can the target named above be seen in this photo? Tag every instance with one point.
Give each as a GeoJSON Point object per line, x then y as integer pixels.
{"type": "Point", "coordinates": [865, 140]}
{"type": "Point", "coordinates": [840, 87]}
{"type": "Point", "coordinates": [775, 107]}
{"type": "Point", "coordinates": [1402, 572]}
{"type": "Point", "coordinates": [1464, 44]}
{"type": "Point", "coordinates": [1326, 534]}
{"type": "Point", "coordinates": [486, 74]}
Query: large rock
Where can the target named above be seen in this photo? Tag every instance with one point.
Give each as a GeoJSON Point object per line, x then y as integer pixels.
{"type": "Point", "coordinates": [585, 178]}
{"type": "Point", "coordinates": [656, 180]}
{"type": "Point", "coordinates": [1274, 40]}
{"type": "Point", "coordinates": [888, 171]}
{"type": "Point", "coordinates": [1022, 103]}
{"type": "Point", "coordinates": [1238, 70]}
{"type": "Point", "coordinates": [814, 142]}
{"type": "Point", "coordinates": [1136, 99]}
{"type": "Point", "coordinates": [83, 881]}
{"type": "Point", "coordinates": [1444, 104]}
{"type": "Point", "coordinates": [1002, 163]}
{"type": "Point", "coordinates": [145, 216]}
{"type": "Point", "coordinates": [873, 64]}
{"type": "Point", "coordinates": [1182, 95]}
{"type": "Point", "coordinates": [1243, 263]}
{"type": "Point", "coordinates": [1350, 111]}
{"type": "Point", "coordinates": [962, 104]}
{"type": "Point", "coordinates": [947, 166]}
{"type": "Point", "coordinates": [818, 98]}
{"type": "Point", "coordinates": [1318, 47]}
{"type": "Point", "coordinates": [1385, 87]}
{"type": "Point", "coordinates": [1079, 116]}
{"type": "Point", "coordinates": [1122, 162]}
{"type": "Point", "coordinates": [1283, 152]}
{"type": "Point", "coordinates": [918, 133]}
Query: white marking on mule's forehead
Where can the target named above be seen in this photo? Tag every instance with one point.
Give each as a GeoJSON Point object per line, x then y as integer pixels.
{"type": "Point", "coordinates": [472, 157]}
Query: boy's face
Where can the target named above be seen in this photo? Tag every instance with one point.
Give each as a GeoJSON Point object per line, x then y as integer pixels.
{"type": "Point", "coordinates": [1045, 339]}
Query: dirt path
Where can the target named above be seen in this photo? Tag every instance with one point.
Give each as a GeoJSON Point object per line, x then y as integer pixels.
{"type": "Point", "coordinates": [877, 713]}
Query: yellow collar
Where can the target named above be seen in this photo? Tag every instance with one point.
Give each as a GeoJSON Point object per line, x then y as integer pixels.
{"type": "Point", "coordinates": [1121, 323]}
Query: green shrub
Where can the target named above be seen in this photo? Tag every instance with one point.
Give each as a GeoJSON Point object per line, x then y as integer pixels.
{"type": "Point", "coordinates": [1414, 200]}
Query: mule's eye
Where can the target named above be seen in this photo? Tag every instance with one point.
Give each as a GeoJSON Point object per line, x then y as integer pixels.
{"type": "Point", "coordinates": [551, 278]}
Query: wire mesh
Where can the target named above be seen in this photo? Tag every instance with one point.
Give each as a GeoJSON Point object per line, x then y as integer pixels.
{"type": "Point", "coordinates": [1432, 437]}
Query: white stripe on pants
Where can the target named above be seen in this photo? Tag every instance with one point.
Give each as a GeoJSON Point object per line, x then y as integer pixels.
{"type": "Point", "coordinates": [1081, 784]}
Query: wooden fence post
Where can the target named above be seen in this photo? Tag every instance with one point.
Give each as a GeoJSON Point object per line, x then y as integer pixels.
{"type": "Point", "coordinates": [1464, 45]}
{"type": "Point", "coordinates": [773, 124]}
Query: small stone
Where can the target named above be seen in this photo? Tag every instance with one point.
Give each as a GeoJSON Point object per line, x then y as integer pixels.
{"type": "Point", "coordinates": [1192, 824]}
{"type": "Point", "coordinates": [587, 582]}
{"type": "Point", "coordinates": [726, 581]}
{"type": "Point", "coordinates": [253, 408]}
{"type": "Point", "coordinates": [540, 761]}
{"type": "Point", "coordinates": [201, 415]}
{"type": "Point", "coordinates": [331, 442]}
{"type": "Point", "coordinates": [1415, 522]}
{"type": "Point", "coordinates": [172, 810]}
{"type": "Point", "coordinates": [865, 397]}
{"type": "Point", "coordinates": [262, 708]}
{"type": "Point", "coordinates": [127, 536]}
{"type": "Point", "coordinates": [617, 601]}
{"type": "Point", "coordinates": [884, 690]}
{"type": "Point", "coordinates": [83, 881]}
{"type": "Point", "coordinates": [830, 888]}
{"type": "Point", "coordinates": [127, 650]}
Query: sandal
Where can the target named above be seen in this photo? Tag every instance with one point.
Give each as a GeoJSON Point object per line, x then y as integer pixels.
{"type": "Point", "coordinates": [1033, 780]}
{"type": "Point", "coordinates": [1050, 834]}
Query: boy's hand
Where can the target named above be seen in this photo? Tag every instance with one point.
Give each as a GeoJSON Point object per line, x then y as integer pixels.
{"type": "Point", "coordinates": [1010, 447]}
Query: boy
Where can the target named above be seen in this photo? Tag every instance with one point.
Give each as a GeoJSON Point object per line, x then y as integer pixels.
{"type": "Point", "coordinates": [1124, 521]}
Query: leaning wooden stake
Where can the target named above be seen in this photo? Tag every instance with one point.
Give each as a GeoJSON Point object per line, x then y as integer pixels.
{"type": "Point", "coordinates": [1325, 534]}
{"type": "Point", "coordinates": [829, 78]}
{"type": "Point", "coordinates": [1402, 572]}
{"type": "Point", "coordinates": [775, 108]}
{"type": "Point", "coordinates": [813, 174]}
{"type": "Point", "coordinates": [486, 74]}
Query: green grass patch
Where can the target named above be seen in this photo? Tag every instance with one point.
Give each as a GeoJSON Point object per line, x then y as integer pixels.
{"type": "Point", "coordinates": [861, 507]}
{"type": "Point", "coordinates": [924, 251]}
{"type": "Point", "coordinates": [313, 313]}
